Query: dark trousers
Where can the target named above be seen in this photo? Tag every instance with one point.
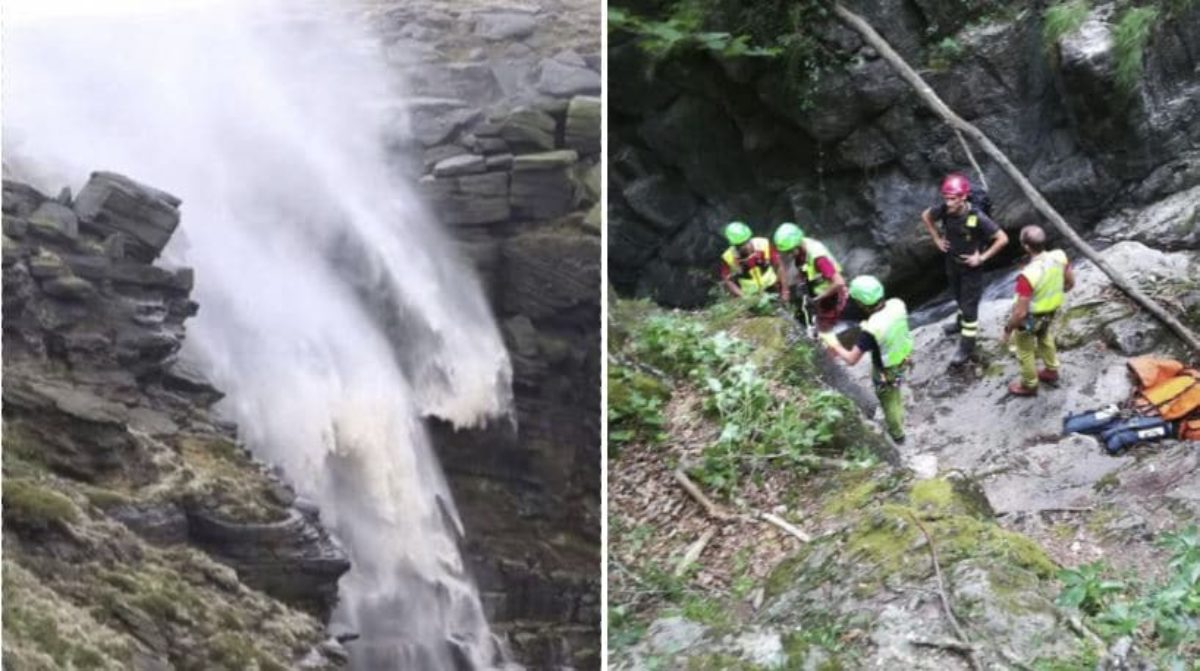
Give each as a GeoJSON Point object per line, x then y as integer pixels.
{"type": "Point", "coordinates": [966, 285]}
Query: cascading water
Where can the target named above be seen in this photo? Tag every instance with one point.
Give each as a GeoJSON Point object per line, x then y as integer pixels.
{"type": "Point", "coordinates": [334, 313]}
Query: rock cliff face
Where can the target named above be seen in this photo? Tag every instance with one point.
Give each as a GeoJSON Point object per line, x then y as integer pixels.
{"type": "Point", "coordinates": [698, 141]}
{"type": "Point", "coordinates": [505, 146]}
{"type": "Point", "coordinates": [139, 534]}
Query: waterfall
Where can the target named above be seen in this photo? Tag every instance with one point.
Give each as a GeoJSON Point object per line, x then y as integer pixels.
{"type": "Point", "coordinates": [333, 311]}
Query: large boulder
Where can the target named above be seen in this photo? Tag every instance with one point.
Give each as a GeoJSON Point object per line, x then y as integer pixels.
{"type": "Point", "coordinates": [111, 203]}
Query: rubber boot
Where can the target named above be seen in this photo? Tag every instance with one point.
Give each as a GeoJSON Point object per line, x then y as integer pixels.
{"type": "Point", "coordinates": [966, 348]}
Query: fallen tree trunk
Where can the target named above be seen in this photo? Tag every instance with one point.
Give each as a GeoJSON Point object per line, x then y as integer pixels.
{"type": "Point", "coordinates": [927, 95]}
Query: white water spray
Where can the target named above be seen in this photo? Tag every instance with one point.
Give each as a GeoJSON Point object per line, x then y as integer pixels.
{"type": "Point", "coordinates": [333, 311]}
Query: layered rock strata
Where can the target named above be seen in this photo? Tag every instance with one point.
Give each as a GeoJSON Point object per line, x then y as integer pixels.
{"type": "Point", "coordinates": [139, 533]}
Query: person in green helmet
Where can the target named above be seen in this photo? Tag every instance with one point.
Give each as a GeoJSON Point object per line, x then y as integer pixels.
{"type": "Point", "coordinates": [886, 336]}
{"type": "Point", "coordinates": [817, 273]}
{"type": "Point", "coordinates": [750, 265]}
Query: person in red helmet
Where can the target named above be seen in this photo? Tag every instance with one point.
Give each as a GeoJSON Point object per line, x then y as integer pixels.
{"type": "Point", "coordinates": [969, 237]}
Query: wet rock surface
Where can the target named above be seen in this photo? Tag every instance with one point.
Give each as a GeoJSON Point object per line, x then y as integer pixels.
{"type": "Point", "coordinates": [861, 157]}
{"type": "Point", "coordinates": [989, 481]}
{"type": "Point", "coordinates": [133, 518]}
{"type": "Point", "coordinates": [505, 147]}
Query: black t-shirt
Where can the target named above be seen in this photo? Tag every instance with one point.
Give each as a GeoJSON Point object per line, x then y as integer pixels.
{"type": "Point", "coordinates": [963, 239]}
{"type": "Point", "coordinates": [866, 343]}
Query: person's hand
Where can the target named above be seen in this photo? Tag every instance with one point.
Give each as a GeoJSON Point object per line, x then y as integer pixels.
{"type": "Point", "coordinates": [1004, 336]}
{"type": "Point", "coordinates": [829, 339]}
{"type": "Point", "coordinates": [972, 260]}
{"type": "Point", "coordinates": [942, 244]}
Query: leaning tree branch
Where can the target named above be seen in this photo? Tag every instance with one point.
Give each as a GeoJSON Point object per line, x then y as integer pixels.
{"type": "Point", "coordinates": [927, 95]}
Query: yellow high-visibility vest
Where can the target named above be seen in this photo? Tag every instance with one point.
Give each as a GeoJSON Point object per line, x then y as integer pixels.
{"type": "Point", "coordinates": [813, 250]}
{"type": "Point", "coordinates": [1045, 274]}
{"type": "Point", "coordinates": [757, 277]}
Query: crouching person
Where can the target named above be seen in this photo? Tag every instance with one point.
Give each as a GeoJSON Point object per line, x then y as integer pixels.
{"type": "Point", "coordinates": [886, 336]}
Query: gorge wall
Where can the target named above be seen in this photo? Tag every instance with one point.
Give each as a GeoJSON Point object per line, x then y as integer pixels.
{"type": "Point", "coordinates": [505, 147]}
{"type": "Point", "coordinates": [698, 140]}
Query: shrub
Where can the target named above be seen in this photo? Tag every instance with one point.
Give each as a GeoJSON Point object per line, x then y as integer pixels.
{"type": "Point", "coordinates": [1062, 19]}
{"type": "Point", "coordinates": [30, 504]}
{"type": "Point", "coordinates": [1129, 41]}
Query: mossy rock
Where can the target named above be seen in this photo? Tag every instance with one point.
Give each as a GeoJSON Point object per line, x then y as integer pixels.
{"type": "Point", "coordinates": [1084, 323]}
{"type": "Point", "coordinates": [42, 630]}
{"type": "Point", "coordinates": [624, 383]}
{"type": "Point", "coordinates": [942, 496]}
{"type": "Point", "coordinates": [890, 539]}
{"type": "Point", "coordinates": [768, 337]}
{"type": "Point", "coordinates": [32, 504]}
{"type": "Point", "coordinates": [227, 481]}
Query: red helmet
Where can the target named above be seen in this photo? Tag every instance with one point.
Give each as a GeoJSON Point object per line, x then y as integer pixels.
{"type": "Point", "coordinates": [956, 185]}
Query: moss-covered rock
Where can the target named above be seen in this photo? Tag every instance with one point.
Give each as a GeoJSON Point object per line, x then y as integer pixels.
{"type": "Point", "coordinates": [35, 504]}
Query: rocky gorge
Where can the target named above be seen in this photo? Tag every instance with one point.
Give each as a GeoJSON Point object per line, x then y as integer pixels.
{"type": "Point", "coordinates": [506, 126]}
{"type": "Point", "coordinates": [969, 550]}
{"type": "Point", "coordinates": [855, 157]}
{"type": "Point", "coordinates": [139, 530]}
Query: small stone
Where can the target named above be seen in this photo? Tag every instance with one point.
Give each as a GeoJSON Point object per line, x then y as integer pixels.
{"type": "Point", "coordinates": [464, 164]}
{"type": "Point", "coordinates": [549, 160]}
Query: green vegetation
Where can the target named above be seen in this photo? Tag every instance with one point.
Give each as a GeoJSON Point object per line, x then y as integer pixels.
{"type": "Point", "coordinates": [1162, 616]}
{"type": "Point", "coordinates": [945, 53]}
{"type": "Point", "coordinates": [1129, 41]}
{"type": "Point", "coordinates": [1062, 19]}
{"type": "Point", "coordinates": [784, 32]}
{"type": "Point", "coordinates": [635, 407]}
{"type": "Point", "coordinates": [681, 32]}
{"type": "Point", "coordinates": [759, 427]}
{"type": "Point", "coordinates": [32, 504]}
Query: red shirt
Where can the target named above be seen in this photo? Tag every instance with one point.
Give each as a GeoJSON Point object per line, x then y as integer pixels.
{"type": "Point", "coordinates": [1024, 288]}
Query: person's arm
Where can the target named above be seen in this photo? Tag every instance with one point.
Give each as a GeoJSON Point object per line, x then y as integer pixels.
{"type": "Point", "coordinates": [728, 283]}
{"type": "Point", "coordinates": [851, 356]}
{"type": "Point", "coordinates": [1068, 278]}
{"type": "Point", "coordinates": [1020, 308]}
{"type": "Point", "coordinates": [999, 240]}
{"type": "Point", "coordinates": [829, 272]}
{"type": "Point", "coordinates": [777, 264]}
{"type": "Point", "coordinates": [938, 240]}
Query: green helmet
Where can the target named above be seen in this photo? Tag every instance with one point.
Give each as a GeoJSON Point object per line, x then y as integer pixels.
{"type": "Point", "coordinates": [866, 289]}
{"type": "Point", "coordinates": [788, 237]}
{"type": "Point", "coordinates": [737, 233]}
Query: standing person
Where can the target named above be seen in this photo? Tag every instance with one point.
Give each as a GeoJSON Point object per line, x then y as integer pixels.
{"type": "Point", "coordinates": [749, 266]}
{"type": "Point", "coordinates": [1041, 286]}
{"type": "Point", "coordinates": [885, 335]}
{"type": "Point", "coordinates": [969, 238]}
{"type": "Point", "coordinates": [817, 270]}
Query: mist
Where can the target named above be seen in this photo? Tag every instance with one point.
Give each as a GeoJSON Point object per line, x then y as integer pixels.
{"type": "Point", "coordinates": [334, 311]}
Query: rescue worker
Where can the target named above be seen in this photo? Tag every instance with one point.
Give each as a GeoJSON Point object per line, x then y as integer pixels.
{"type": "Point", "coordinates": [886, 336]}
{"type": "Point", "coordinates": [969, 237]}
{"type": "Point", "coordinates": [1040, 288]}
{"type": "Point", "coordinates": [749, 266]}
{"type": "Point", "coordinates": [818, 272]}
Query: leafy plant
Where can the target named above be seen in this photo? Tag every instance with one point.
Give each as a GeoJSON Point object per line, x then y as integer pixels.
{"type": "Point", "coordinates": [945, 53]}
{"type": "Point", "coordinates": [681, 32]}
{"type": "Point", "coordinates": [1086, 588]}
{"type": "Point", "coordinates": [1163, 617]}
{"type": "Point", "coordinates": [1062, 19]}
{"type": "Point", "coordinates": [1129, 41]}
{"type": "Point", "coordinates": [635, 407]}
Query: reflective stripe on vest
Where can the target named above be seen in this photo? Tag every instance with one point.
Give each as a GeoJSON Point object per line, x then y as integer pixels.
{"type": "Point", "coordinates": [889, 327]}
{"type": "Point", "coordinates": [1045, 274]}
{"type": "Point", "coordinates": [814, 250]}
{"type": "Point", "coordinates": [757, 277]}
